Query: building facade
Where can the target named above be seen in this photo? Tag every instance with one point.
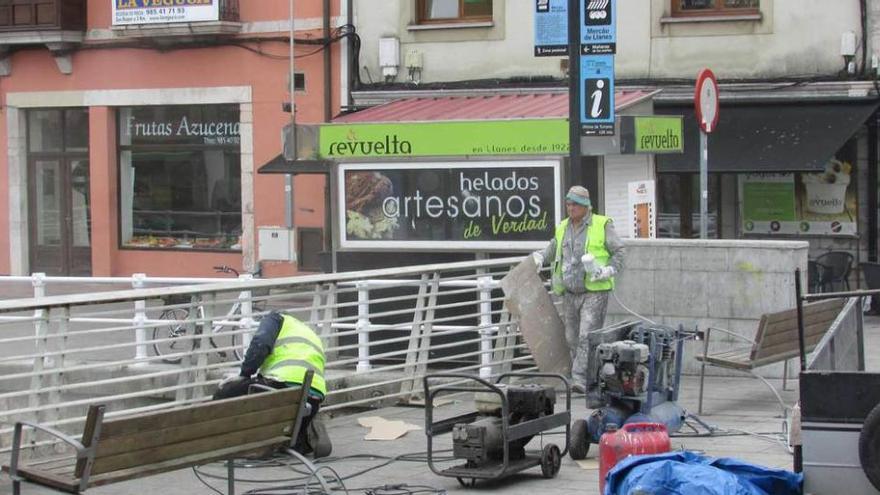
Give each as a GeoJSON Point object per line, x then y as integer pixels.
{"type": "Point", "coordinates": [794, 155]}
{"type": "Point", "coordinates": [133, 133]}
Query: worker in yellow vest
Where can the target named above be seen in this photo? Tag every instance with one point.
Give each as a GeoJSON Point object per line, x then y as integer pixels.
{"type": "Point", "coordinates": [585, 254]}
{"type": "Point", "coordinates": [279, 355]}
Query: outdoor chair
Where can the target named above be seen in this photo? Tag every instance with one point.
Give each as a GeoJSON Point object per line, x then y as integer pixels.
{"type": "Point", "coordinates": [835, 267]}
{"type": "Point", "coordinates": [872, 281]}
{"type": "Point", "coordinates": [814, 277]}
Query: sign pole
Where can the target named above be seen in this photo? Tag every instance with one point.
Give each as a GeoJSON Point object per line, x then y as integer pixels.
{"type": "Point", "coordinates": [704, 185]}
{"type": "Point", "coordinates": [706, 109]}
{"type": "Point", "coordinates": [574, 100]}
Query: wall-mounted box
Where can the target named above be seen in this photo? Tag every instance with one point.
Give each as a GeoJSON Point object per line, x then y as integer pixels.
{"type": "Point", "coordinates": [276, 244]}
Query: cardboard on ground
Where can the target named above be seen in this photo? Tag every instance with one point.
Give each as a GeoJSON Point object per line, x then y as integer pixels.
{"type": "Point", "coordinates": [382, 429]}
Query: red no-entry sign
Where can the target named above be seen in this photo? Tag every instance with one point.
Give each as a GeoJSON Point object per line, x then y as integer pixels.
{"type": "Point", "coordinates": [706, 100]}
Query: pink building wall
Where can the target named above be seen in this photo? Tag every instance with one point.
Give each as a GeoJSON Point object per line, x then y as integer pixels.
{"type": "Point", "coordinates": [99, 68]}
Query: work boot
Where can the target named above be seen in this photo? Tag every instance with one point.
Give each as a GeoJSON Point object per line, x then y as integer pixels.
{"type": "Point", "coordinates": [318, 439]}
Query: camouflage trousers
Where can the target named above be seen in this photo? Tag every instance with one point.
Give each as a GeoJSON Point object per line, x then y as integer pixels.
{"type": "Point", "coordinates": [582, 315]}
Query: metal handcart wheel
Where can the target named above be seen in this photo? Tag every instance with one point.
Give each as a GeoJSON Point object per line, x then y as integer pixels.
{"type": "Point", "coordinates": [551, 460]}
{"type": "Point", "coordinates": [579, 443]}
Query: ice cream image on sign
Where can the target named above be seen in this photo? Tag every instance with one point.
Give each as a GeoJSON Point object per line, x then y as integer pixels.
{"type": "Point", "coordinates": [826, 191]}
{"type": "Point", "coordinates": [364, 193]}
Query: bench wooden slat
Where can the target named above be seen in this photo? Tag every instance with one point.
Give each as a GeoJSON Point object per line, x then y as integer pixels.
{"type": "Point", "coordinates": [741, 353]}
{"type": "Point", "coordinates": [64, 483]}
{"type": "Point", "coordinates": [148, 439]}
{"type": "Point", "coordinates": [783, 341]}
{"type": "Point", "coordinates": [740, 364]}
{"type": "Point", "coordinates": [778, 333]}
{"type": "Point", "coordinates": [194, 414]}
{"type": "Point", "coordinates": [141, 445]}
{"type": "Point", "coordinates": [200, 446]}
{"type": "Point", "coordinates": [145, 469]}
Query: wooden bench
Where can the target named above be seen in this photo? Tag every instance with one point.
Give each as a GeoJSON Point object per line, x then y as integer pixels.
{"type": "Point", "coordinates": [141, 445]}
{"type": "Point", "coordinates": [776, 340]}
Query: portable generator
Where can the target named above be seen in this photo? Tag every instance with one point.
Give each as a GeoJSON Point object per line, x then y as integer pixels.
{"type": "Point", "coordinates": [638, 375]}
{"type": "Point", "coordinates": [492, 439]}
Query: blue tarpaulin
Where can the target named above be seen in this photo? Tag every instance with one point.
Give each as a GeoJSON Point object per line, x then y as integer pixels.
{"type": "Point", "coordinates": [689, 473]}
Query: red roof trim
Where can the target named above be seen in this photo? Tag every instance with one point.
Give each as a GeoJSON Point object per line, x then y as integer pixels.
{"type": "Point", "coordinates": [497, 107]}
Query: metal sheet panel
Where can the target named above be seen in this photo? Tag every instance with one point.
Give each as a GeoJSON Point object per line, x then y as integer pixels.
{"type": "Point", "coordinates": [527, 299]}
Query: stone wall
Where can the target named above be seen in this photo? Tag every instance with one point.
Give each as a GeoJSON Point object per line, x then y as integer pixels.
{"type": "Point", "coordinates": [721, 283]}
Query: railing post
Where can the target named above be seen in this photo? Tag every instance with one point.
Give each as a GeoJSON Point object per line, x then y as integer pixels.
{"type": "Point", "coordinates": [209, 302]}
{"type": "Point", "coordinates": [140, 318]}
{"type": "Point", "coordinates": [41, 332]}
{"type": "Point", "coordinates": [487, 332]}
{"type": "Point", "coordinates": [246, 307]}
{"type": "Point", "coordinates": [363, 326]}
{"type": "Point", "coordinates": [54, 414]}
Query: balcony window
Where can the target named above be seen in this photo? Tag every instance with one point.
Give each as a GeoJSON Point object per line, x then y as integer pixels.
{"type": "Point", "coordinates": [453, 11]}
{"type": "Point", "coordinates": [41, 15]}
{"type": "Point", "coordinates": [705, 8]}
{"type": "Point", "coordinates": [180, 177]}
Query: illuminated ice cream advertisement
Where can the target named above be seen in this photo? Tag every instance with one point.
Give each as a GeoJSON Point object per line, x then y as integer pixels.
{"type": "Point", "coordinates": [462, 205]}
{"type": "Point", "coordinates": [816, 203]}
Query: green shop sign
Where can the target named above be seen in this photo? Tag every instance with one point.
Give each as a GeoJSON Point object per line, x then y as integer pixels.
{"type": "Point", "coordinates": [658, 135]}
{"type": "Point", "coordinates": [485, 137]}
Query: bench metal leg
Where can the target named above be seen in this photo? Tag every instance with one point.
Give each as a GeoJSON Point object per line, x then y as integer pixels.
{"type": "Point", "coordinates": [703, 370]}
{"type": "Point", "coordinates": [16, 487]}
{"type": "Point", "coordinates": [785, 375]}
{"type": "Point", "coordinates": [314, 471]}
{"type": "Point", "coordinates": [230, 476]}
{"type": "Point", "coordinates": [785, 407]}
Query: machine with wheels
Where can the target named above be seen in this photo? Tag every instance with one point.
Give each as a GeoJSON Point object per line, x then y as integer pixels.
{"type": "Point", "coordinates": [639, 374]}
{"type": "Point", "coordinates": [492, 440]}
{"type": "Point", "coordinates": [840, 431]}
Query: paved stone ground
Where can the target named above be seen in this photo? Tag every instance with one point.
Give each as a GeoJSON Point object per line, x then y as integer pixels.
{"type": "Point", "coordinates": [734, 405]}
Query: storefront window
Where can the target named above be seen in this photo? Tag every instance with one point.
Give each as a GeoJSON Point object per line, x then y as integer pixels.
{"type": "Point", "coordinates": [679, 206]}
{"type": "Point", "coordinates": [180, 177]}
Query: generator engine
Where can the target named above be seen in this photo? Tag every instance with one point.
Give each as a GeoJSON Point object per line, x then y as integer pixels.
{"type": "Point", "coordinates": [623, 371]}
{"type": "Point", "coordinates": [482, 441]}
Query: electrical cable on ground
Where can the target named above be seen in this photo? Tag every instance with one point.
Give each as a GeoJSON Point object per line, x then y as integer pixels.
{"type": "Point", "coordinates": [302, 483]}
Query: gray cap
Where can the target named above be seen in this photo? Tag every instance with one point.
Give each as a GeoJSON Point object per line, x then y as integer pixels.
{"type": "Point", "coordinates": [579, 195]}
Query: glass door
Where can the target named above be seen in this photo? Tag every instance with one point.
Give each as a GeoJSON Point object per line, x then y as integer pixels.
{"type": "Point", "coordinates": [60, 216]}
{"type": "Point", "coordinates": [58, 191]}
{"type": "Point", "coordinates": [46, 210]}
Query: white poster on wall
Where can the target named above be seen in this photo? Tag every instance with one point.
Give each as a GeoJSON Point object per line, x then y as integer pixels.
{"type": "Point", "coordinates": [134, 12]}
{"type": "Point", "coordinates": [642, 207]}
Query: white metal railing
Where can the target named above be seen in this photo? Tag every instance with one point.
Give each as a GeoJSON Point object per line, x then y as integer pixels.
{"type": "Point", "coordinates": [156, 347]}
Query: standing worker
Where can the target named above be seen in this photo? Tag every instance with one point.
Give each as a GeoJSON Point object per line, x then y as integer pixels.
{"type": "Point", "coordinates": [280, 354]}
{"type": "Point", "coordinates": [585, 254]}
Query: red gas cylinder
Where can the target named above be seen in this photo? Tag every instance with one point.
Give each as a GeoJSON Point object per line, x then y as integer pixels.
{"type": "Point", "coordinates": [632, 439]}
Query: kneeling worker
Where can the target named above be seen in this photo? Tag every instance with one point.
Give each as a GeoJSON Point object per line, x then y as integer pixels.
{"type": "Point", "coordinates": [280, 354]}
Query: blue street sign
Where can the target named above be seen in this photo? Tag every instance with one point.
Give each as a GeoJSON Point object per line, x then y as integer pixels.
{"type": "Point", "coordinates": [551, 28]}
{"type": "Point", "coordinates": [598, 27]}
{"type": "Point", "coordinates": [597, 95]}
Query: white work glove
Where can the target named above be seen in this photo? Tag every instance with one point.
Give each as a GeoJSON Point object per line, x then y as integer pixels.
{"type": "Point", "coordinates": [538, 258]}
{"type": "Point", "coordinates": [603, 273]}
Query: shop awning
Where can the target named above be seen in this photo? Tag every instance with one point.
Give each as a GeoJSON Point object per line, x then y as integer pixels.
{"type": "Point", "coordinates": [486, 107]}
{"type": "Point", "coordinates": [523, 106]}
{"type": "Point", "coordinates": [768, 138]}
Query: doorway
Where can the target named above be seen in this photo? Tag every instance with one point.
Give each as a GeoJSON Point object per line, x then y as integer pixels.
{"type": "Point", "coordinates": [58, 192]}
